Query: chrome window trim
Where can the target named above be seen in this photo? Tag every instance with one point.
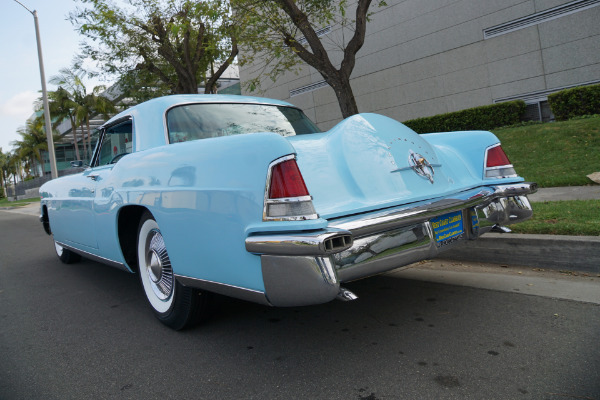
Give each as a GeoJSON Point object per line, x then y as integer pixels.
{"type": "Point", "coordinates": [103, 129]}
{"type": "Point", "coordinates": [268, 201]}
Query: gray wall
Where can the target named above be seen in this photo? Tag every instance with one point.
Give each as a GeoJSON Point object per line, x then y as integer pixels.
{"type": "Point", "coordinates": [425, 57]}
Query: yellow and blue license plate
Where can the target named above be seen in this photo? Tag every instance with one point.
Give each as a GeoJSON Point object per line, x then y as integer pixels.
{"type": "Point", "coordinates": [447, 228]}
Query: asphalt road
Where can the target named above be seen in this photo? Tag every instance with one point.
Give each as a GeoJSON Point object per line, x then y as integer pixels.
{"type": "Point", "coordinates": [84, 331]}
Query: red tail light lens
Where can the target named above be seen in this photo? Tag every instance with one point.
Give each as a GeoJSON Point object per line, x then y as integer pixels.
{"type": "Point", "coordinates": [496, 157]}
{"type": "Point", "coordinates": [287, 181]}
{"type": "Point", "coordinates": [286, 195]}
{"type": "Point", "coordinates": [497, 164]}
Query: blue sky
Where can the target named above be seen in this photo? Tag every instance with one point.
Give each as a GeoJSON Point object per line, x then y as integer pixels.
{"type": "Point", "coordinates": [20, 83]}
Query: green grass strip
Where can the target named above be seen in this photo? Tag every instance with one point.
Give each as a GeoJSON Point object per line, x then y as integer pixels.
{"type": "Point", "coordinates": [573, 217]}
{"type": "Point", "coordinates": [554, 154]}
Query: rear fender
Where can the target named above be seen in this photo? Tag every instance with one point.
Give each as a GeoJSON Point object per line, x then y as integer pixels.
{"type": "Point", "coordinates": [458, 150]}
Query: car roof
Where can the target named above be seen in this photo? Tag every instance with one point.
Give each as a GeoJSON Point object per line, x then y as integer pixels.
{"type": "Point", "coordinates": [160, 104]}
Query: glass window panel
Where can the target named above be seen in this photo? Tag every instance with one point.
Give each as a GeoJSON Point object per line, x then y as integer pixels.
{"type": "Point", "coordinates": [201, 121]}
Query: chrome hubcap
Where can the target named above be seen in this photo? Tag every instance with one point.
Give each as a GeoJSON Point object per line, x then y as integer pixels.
{"type": "Point", "coordinates": [58, 248]}
{"type": "Point", "coordinates": [158, 267]}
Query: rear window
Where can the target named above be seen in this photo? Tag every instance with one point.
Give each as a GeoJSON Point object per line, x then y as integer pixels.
{"type": "Point", "coordinates": [202, 121]}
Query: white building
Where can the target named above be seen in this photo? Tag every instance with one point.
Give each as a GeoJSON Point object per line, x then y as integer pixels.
{"type": "Point", "coordinates": [426, 57]}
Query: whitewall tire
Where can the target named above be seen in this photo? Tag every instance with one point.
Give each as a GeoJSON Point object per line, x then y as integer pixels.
{"type": "Point", "coordinates": [175, 305]}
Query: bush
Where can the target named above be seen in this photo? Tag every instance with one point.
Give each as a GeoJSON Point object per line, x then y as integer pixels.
{"type": "Point", "coordinates": [1, 192]}
{"type": "Point", "coordinates": [478, 118]}
{"type": "Point", "coordinates": [569, 103]}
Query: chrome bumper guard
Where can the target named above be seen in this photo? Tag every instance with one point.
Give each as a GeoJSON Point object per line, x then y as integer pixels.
{"type": "Point", "coordinates": [307, 268]}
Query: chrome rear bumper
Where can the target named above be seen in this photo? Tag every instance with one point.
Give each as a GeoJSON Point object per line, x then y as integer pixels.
{"type": "Point", "coordinates": [307, 268]}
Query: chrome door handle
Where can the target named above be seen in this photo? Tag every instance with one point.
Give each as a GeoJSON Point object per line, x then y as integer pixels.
{"type": "Point", "coordinates": [92, 177]}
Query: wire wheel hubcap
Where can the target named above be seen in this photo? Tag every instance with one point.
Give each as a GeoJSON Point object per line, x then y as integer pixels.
{"type": "Point", "coordinates": [158, 267]}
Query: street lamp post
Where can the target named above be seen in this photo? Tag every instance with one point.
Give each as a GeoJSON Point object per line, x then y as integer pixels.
{"type": "Point", "coordinates": [48, 122]}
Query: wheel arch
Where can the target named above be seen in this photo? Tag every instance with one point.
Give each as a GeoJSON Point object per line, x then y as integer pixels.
{"type": "Point", "coordinates": [45, 220]}
{"type": "Point", "coordinates": [128, 222]}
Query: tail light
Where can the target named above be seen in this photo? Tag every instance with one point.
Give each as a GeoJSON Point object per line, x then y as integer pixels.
{"type": "Point", "coordinates": [286, 195]}
{"type": "Point", "coordinates": [497, 164]}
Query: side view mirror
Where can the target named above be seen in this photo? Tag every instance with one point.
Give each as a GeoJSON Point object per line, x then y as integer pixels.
{"type": "Point", "coordinates": [77, 164]}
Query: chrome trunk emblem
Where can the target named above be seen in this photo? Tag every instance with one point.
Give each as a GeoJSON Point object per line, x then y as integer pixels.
{"type": "Point", "coordinates": [421, 166]}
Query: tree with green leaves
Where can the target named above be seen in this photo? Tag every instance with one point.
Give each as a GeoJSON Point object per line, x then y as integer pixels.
{"type": "Point", "coordinates": [86, 104]}
{"type": "Point", "coordinates": [72, 101]}
{"type": "Point", "coordinates": [3, 171]}
{"type": "Point", "coordinates": [63, 106]}
{"type": "Point", "coordinates": [14, 167]}
{"type": "Point", "coordinates": [33, 141]}
{"type": "Point", "coordinates": [90, 105]}
{"type": "Point", "coordinates": [158, 47]}
{"type": "Point", "coordinates": [282, 34]}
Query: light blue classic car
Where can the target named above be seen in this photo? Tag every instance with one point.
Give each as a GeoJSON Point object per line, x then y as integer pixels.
{"type": "Point", "coordinates": [245, 197]}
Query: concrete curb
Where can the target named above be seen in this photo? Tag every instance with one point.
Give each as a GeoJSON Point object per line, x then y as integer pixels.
{"type": "Point", "coordinates": [573, 253]}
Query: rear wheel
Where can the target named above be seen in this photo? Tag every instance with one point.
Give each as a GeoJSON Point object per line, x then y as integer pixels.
{"type": "Point", "coordinates": [175, 305]}
{"type": "Point", "coordinates": [66, 255]}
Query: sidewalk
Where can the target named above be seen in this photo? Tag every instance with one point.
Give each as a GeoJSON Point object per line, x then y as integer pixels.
{"type": "Point", "coordinates": [566, 193]}
{"type": "Point", "coordinates": [28, 209]}
{"type": "Point", "coordinates": [576, 253]}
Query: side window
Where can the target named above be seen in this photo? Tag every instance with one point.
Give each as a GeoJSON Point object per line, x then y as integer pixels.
{"type": "Point", "coordinates": [116, 143]}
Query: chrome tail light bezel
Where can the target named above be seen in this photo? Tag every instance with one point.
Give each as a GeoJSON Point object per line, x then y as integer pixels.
{"type": "Point", "coordinates": [497, 172]}
{"type": "Point", "coordinates": [284, 209]}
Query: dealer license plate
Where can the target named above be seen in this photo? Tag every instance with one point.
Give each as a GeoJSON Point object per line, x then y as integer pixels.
{"type": "Point", "coordinates": [447, 228]}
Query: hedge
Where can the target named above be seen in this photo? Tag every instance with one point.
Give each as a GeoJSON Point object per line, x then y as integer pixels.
{"type": "Point", "coordinates": [478, 118]}
{"type": "Point", "coordinates": [569, 103]}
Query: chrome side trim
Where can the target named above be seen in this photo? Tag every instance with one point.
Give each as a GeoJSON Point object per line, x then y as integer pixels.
{"type": "Point", "coordinates": [318, 243]}
{"type": "Point", "coordinates": [96, 258]}
{"type": "Point", "coordinates": [237, 292]}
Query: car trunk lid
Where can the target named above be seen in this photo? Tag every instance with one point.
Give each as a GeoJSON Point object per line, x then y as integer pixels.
{"type": "Point", "coordinates": [370, 162]}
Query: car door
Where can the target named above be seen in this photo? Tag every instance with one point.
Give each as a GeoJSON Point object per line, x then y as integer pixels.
{"type": "Point", "coordinates": [116, 142]}
{"type": "Point", "coordinates": [85, 201]}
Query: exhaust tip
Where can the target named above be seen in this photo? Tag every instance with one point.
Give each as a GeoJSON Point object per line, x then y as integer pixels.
{"type": "Point", "coordinates": [500, 229]}
{"type": "Point", "coordinates": [346, 295]}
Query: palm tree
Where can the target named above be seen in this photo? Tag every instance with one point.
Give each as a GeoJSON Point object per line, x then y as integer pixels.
{"type": "Point", "coordinates": [14, 167]}
{"type": "Point", "coordinates": [79, 106]}
{"type": "Point", "coordinates": [3, 171]}
{"type": "Point", "coordinates": [62, 106]}
{"type": "Point", "coordinates": [93, 104]}
{"type": "Point", "coordinates": [33, 141]}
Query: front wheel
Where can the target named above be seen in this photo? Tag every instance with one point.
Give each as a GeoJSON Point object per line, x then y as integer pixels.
{"type": "Point", "coordinates": [66, 255]}
{"type": "Point", "coordinates": [175, 305]}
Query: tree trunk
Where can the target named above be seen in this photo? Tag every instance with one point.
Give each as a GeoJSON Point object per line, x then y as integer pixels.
{"type": "Point", "coordinates": [85, 149]}
{"type": "Point", "coordinates": [211, 84]}
{"type": "Point", "coordinates": [87, 124]}
{"type": "Point", "coordinates": [15, 184]}
{"type": "Point", "coordinates": [74, 130]}
{"type": "Point", "coordinates": [345, 95]}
